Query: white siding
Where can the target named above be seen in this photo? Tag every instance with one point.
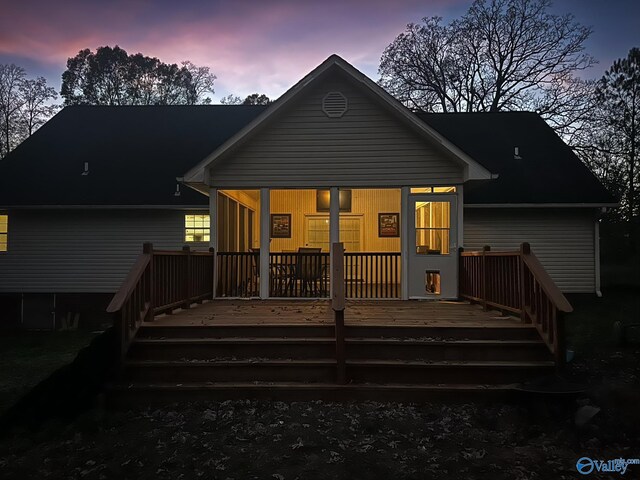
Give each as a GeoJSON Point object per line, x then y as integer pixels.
{"type": "Point", "coordinates": [78, 251]}
{"type": "Point", "coordinates": [303, 147]}
{"type": "Point", "coordinates": [562, 239]}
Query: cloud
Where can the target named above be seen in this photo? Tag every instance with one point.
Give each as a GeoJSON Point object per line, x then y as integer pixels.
{"type": "Point", "coordinates": [252, 46]}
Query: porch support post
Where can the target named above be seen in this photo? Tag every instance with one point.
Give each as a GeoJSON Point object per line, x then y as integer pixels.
{"type": "Point", "coordinates": [265, 239]}
{"type": "Point", "coordinates": [404, 242]}
{"type": "Point", "coordinates": [460, 239]}
{"type": "Point", "coordinates": [334, 225]}
{"type": "Point", "coordinates": [213, 233]}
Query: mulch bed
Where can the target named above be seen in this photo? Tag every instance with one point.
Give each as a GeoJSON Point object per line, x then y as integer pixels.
{"type": "Point", "coordinates": [309, 440]}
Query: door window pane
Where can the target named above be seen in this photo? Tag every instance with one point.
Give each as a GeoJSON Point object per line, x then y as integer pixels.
{"type": "Point", "coordinates": [433, 226]}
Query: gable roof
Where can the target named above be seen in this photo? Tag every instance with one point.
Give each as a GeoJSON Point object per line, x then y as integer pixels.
{"type": "Point", "coordinates": [196, 176]}
{"type": "Point", "coordinates": [548, 171]}
{"type": "Point", "coordinates": [134, 155]}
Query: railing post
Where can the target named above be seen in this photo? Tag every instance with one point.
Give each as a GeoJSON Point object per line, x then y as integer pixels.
{"type": "Point", "coordinates": [559, 348]}
{"type": "Point", "coordinates": [214, 277]}
{"type": "Point", "coordinates": [525, 249]}
{"type": "Point", "coordinates": [461, 279]}
{"type": "Point", "coordinates": [338, 304]}
{"type": "Point", "coordinates": [187, 281]}
{"type": "Point", "coordinates": [147, 249]}
{"type": "Point", "coordinates": [485, 277]}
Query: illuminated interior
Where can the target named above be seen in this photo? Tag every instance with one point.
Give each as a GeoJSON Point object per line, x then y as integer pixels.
{"type": "Point", "coordinates": [197, 228]}
{"type": "Point", "coordinates": [306, 214]}
{"type": "Point", "coordinates": [433, 226]}
{"type": "Point", "coordinates": [4, 232]}
{"type": "Point", "coordinates": [450, 189]}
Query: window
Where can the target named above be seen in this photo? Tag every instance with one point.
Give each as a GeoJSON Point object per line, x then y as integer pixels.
{"type": "Point", "coordinates": [318, 233]}
{"type": "Point", "coordinates": [433, 189]}
{"type": "Point", "coordinates": [433, 228]}
{"type": "Point", "coordinates": [196, 228]}
{"type": "Point", "coordinates": [4, 232]}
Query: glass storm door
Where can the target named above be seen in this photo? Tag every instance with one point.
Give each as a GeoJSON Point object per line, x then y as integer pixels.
{"type": "Point", "coordinates": [433, 245]}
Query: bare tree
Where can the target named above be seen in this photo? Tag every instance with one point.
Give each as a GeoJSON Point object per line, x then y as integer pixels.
{"type": "Point", "coordinates": [253, 99]}
{"type": "Point", "coordinates": [11, 101]}
{"type": "Point", "coordinates": [202, 81]}
{"type": "Point", "coordinates": [501, 55]}
{"type": "Point", "coordinates": [231, 99]}
{"type": "Point", "coordinates": [36, 109]}
{"type": "Point", "coordinates": [612, 143]}
{"type": "Point", "coordinates": [25, 104]}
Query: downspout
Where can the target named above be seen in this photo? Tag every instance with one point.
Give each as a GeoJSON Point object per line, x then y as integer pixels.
{"type": "Point", "coordinates": [596, 239]}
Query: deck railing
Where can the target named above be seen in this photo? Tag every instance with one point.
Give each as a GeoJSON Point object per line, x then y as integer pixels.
{"type": "Point", "coordinates": [372, 274]}
{"type": "Point", "coordinates": [516, 282]}
{"type": "Point", "coordinates": [160, 282]}
{"type": "Point", "coordinates": [238, 274]}
{"type": "Point", "coordinates": [302, 274]}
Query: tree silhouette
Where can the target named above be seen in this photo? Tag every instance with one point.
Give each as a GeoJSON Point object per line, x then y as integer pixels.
{"type": "Point", "coordinates": [500, 55]}
{"type": "Point", "coordinates": [110, 76]}
{"type": "Point", "coordinates": [25, 104]}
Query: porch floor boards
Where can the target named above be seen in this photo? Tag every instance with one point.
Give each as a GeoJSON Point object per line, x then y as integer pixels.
{"type": "Point", "coordinates": [397, 313]}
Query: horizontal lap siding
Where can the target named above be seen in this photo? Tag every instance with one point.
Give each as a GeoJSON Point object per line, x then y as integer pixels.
{"type": "Point", "coordinates": [81, 251]}
{"type": "Point", "coordinates": [562, 239]}
{"type": "Point", "coordinates": [303, 147]}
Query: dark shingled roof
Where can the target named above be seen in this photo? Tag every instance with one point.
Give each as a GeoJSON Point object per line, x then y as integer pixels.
{"type": "Point", "coordinates": [136, 153]}
{"type": "Point", "coordinates": [548, 171]}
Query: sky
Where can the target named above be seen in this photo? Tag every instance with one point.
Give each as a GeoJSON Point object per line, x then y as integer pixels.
{"type": "Point", "coordinates": [259, 46]}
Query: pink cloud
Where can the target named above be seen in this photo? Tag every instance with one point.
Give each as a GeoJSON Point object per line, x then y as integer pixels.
{"type": "Point", "coordinates": [252, 46]}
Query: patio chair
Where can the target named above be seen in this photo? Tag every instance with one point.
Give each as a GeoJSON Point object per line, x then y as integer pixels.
{"type": "Point", "coordinates": [309, 272]}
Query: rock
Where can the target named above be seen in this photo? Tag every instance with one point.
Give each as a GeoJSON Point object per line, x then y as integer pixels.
{"type": "Point", "coordinates": [585, 414]}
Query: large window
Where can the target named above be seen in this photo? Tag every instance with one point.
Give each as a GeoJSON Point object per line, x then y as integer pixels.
{"type": "Point", "coordinates": [197, 228]}
{"type": "Point", "coordinates": [4, 232]}
{"type": "Point", "coordinates": [318, 233]}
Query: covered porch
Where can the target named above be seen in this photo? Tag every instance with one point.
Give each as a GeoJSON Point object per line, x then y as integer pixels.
{"type": "Point", "coordinates": [283, 236]}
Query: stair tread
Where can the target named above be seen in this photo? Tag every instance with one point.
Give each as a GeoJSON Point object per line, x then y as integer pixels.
{"type": "Point", "coordinates": [329, 340]}
{"type": "Point", "coordinates": [426, 341]}
{"type": "Point", "coordinates": [307, 386]}
{"type": "Point", "coordinates": [232, 340]}
{"type": "Point", "coordinates": [332, 362]}
{"type": "Point", "coordinates": [241, 361]}
{"type": "Point", "coordinates": [461, 363]}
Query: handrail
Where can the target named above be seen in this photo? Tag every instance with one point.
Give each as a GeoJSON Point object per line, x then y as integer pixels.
{"type": "Point", "coordinates": [516, 282]}
{"type": "Point", "coordinates": [160, 281]}
{"type": "Point", "coordinates": [546, 283]}
{"type": "Point", "coordinates": [129, 284]}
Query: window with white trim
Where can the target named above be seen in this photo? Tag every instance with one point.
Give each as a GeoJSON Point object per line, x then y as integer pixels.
{"type": "Point", "coordinates": [4, 233]}
{"type": "Point", "coordinates": [197, 228]}
{"type": "Point", "coordinates": [318, 232]}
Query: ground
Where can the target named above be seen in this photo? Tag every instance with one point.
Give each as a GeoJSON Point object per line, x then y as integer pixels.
{"type": "Point", "coordinates": [26, 358]}
{"type": "Point", "coordinates": [308, 440]}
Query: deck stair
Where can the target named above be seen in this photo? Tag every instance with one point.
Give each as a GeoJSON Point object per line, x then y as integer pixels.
{"type": "Point", "coordinates": [296, 361]}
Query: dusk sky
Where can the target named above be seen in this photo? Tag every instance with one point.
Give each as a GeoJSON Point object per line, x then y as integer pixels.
{"type": "Point", "coordinates": [260, 46]}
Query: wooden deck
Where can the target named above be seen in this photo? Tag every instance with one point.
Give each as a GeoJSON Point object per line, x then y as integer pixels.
{"type": "Point", "coordinates": [318, 312]}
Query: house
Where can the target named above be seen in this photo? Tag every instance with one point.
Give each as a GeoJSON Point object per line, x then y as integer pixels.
{"type": "Point", "coordinates": [334, 159]}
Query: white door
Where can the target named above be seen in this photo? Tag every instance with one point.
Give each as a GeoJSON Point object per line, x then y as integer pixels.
{"type": "Point", "coordinates": [433, 246]}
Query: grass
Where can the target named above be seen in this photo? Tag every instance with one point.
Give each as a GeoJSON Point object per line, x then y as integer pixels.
{"type": "Point", "coordinates": [28, 357]}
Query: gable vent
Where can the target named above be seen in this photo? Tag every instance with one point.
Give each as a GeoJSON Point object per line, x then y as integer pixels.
{"type": "Point", "coordinates": [334, 104]}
